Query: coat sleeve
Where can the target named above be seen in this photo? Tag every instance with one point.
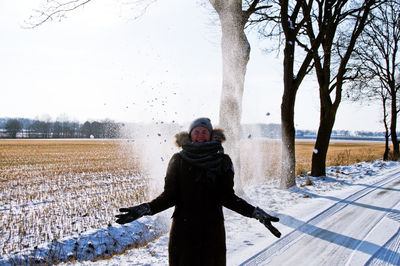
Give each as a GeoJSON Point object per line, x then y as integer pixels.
{"type": "Point", "coordinates": [229, 199]}
{"type": "Point", "coordinates": [168, 197]}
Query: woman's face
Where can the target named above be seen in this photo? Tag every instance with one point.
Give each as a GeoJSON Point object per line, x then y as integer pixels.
{"type": "Point", "coordinates": [200, 134]}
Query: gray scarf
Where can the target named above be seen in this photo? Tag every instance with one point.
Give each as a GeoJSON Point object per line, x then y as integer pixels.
{"type": "Point", "coordinates": [204, 155]}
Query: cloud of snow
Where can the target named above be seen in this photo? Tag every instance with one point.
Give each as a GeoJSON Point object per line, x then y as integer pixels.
{"type": "Point", "coordinates": [260, 157]}
{"type": "Point", "coordinates": [153, 146]}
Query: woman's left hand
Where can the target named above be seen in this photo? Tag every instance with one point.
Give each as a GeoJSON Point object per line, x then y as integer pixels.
{"type": "Point", "coordinates": [266, 219]}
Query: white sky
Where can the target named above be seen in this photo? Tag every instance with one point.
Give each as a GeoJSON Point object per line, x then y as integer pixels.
{"type": "Point", "coordinates": [100, 63]}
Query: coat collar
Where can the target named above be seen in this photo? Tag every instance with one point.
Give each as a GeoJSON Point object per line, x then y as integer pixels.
{"type": "Point", "coordinates": [183, 137]}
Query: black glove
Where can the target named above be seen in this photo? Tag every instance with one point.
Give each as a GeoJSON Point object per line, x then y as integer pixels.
{"type": "Point", "coordinates": [266, 219]}
{"type": "Point", "coordinates": [133, 213]}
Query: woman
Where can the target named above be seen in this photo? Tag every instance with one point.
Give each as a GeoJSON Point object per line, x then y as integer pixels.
{"type": "Point", "coordinates": [199, 181]}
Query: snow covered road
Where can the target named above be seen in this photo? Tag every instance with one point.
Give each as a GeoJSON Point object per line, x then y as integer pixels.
{"type": "Point", "coordinates": [362, 228]}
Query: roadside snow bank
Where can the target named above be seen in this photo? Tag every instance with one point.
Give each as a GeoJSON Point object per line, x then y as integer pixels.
{"type": "Point", "coordinates": [93, 245]}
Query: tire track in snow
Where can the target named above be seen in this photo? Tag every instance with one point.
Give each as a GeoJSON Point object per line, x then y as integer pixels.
{"type": "Point", "coordinates": [383, 256]}
{"type": "Point", "coordinates": [385, 248]}
{"type": "Point", "coordinates": [265, 256]}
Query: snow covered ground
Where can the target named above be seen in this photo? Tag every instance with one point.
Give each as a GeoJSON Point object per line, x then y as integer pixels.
{"type": "Point", "coordinates": [307, 213]}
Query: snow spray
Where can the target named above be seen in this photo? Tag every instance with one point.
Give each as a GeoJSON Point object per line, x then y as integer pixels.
{"type": "Point", "coordinates": [153, 145]}
{"type": "Point", "coordinates": [260, 154]}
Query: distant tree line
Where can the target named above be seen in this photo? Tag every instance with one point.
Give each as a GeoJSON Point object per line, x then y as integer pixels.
{"type": "Point", "coordinates": [273, 131]}
{"type": "Point", "coordinates": [27, 128]}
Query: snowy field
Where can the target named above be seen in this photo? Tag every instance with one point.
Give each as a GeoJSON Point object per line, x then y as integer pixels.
{"type": "Point", "coordinates": [53, 189]}
{"type": "Point", "coordinates": [144, 242]}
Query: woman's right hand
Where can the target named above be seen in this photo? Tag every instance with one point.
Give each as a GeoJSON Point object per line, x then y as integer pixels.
{"type": "Point", "coordinates": [133, 213]}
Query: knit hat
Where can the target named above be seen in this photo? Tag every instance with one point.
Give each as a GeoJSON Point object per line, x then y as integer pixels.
{"type": "Point", "coordinates": [201, 122]}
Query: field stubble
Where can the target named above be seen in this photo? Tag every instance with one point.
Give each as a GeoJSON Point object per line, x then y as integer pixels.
{"type": "Point", "coordinates": [50, 189]}
{"type": "Point", "coordinates": [55, 188]}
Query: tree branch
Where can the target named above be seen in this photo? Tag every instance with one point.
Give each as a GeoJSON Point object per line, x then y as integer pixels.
{"type": "Point", "coordinates": [59, 9]}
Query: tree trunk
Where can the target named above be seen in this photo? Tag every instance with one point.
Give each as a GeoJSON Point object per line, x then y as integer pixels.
{"type": "Point", "coordinates": [393, 126]}
{"type": "Point", "coordinates": [235, 56]}
{"type": "Point", "coordinates": [386, 153]}
{"type": "Point", "coordinates": [318, 167]}
{"type": "Point", "coordinates": [288, 170]}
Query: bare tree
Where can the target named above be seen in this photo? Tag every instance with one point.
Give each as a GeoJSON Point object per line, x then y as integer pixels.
{"type": "Point", "coordinates": [58, 129]}
{"type": "Point", "coordinates": [86, 129]}
{"type": "Point", "coordinates": [378, 64]}
{"type": "Point", "coordinates": [41, 129]}
{"type": "Point", "coordinates": [292, 22]}
{"type": "Point", "coordinates": [342, 22]}
{"type": "Point", "coordinates": [289, 19]}
{"type": "Point", "coordinates": [235, 56]}
{"type": "Point", "coordinates": [13, 126]}
{"type": "Point", "coordinates": [364, 89]}
{"type": "Point", "coordinates": [319, 21]}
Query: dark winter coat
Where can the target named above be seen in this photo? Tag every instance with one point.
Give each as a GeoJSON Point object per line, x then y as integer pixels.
{"type": "Point", "coordinates": [197, 235]}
